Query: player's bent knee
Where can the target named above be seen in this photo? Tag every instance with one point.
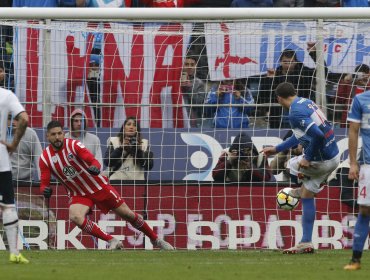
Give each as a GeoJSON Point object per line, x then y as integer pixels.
{"type": "Point", "coordinates": [77, 218]}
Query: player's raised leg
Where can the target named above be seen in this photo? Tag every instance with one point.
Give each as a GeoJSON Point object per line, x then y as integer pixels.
{"type": "Point", "coordinates": [78, 215]}
{"type": "Point", "coordinates": [139, 223]}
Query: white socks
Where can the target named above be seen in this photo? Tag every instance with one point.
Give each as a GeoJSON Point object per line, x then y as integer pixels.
{"type": "Point", "coordinates": [10, 222]}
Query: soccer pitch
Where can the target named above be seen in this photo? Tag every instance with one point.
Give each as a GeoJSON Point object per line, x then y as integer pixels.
{"type": "Point", "coordinates": [246, 264]}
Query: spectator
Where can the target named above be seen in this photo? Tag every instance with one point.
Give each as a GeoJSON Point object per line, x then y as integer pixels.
{"type": "Point", "coordinates": [35, 3]}
{"type": "Point", "coordinates": [242, 163]}
{"type": "Point", "coordinates": [193, 90]}
{"type": "Point", "coordinates": [229, 93]}
{"type": "Point", "coordinates": [290, 70]}
{"type": "Point", "coordinates": [349, 86]}
{"type": "Point", "coordinates": [288, 3]}
{"type": "Point", "coordinates": [93, 84]}
{"type": "Point", "coordinates": [128, 155]}
{"type": "Point", "coordinates": [251, 3]}
{"type": "Point", "coordinates": [79, 132]}
{"type": "Point", "coordinates": [25, 159]}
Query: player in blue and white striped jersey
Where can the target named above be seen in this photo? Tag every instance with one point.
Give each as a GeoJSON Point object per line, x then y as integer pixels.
{"type": "Point", "coordinates": [359, 118]}
{"type": "Point", "coordinates": [319, 159]}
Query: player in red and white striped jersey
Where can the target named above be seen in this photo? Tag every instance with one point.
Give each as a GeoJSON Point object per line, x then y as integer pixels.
{"type": "Point", "coordinates": [78, 170]}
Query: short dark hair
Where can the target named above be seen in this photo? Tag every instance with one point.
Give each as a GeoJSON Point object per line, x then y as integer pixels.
{"type": "Point", "coordinates": [192, 55]}
{"type": "Point", "coordinates": [285, 90]}
{"type": "Point", "coordinates": [53, 124]}
{"type": "Point", "coordinates": [289, 53]}
{"type": "Point", "coordinates": [362, 68]}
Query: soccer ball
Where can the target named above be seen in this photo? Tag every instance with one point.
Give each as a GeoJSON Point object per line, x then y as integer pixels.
{"type": "Point", "coordinates": [286, 201]}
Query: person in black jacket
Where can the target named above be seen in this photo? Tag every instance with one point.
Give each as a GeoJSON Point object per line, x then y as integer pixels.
{"type": "Point", "coordinates": [242, 163]}
{"type": "Point", "coordinates": [293, 71]}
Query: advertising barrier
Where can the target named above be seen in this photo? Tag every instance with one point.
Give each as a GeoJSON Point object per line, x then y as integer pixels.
{"type": "Point", "coordinates": [191, 216]}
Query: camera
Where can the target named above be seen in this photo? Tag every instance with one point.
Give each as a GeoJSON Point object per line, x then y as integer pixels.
{"type": "Point", "coordinates": [133, 141]}
{"type": "Point", "coordinates": [226, 88]}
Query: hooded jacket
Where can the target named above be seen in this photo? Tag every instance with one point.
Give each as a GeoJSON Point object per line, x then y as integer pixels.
{"type": "Point", "coordinates": [91, 141]}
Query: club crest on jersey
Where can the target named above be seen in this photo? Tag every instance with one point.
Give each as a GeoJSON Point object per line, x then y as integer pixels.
{"type": "Point", "coordinates": [302, 123]}
{"type": "Point", "coordinates": [54, 159]}
{"type": "Point", "coordinates": [70, 156]}
{"type": "Point", "coordinates": [69, 171]}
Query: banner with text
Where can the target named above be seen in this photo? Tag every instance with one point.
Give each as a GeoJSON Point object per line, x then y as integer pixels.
{"type": "Point", "coordinates": [192, 217]}
{"type": "Point", "coordinates": [242, 49]}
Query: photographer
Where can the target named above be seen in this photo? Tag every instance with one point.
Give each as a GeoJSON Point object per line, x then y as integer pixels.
{"type": "Point", "coordinates": [128, 155]}
{"type": "Point", "coordinates": [242, 163]}
{"type": "Point", "coordinates": [231, 92]}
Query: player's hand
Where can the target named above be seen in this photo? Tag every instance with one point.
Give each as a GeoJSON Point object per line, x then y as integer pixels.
{"type": "Point", "coordinates": [268, 151]}
{"type": "Point", "coordinates": [304, 163]}
{"type": "Point", "coordinates": [354, 171]}
{"type": "Point", "coordinates": [93, 170]}
{"type": "Point", "coordinates": [47, 192]}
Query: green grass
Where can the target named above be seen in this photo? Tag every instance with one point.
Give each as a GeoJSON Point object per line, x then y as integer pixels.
{"type": "Point", "coordinates": [190, 265]}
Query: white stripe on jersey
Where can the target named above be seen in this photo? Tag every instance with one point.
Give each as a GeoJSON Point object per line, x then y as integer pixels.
{"type": "Point", "coordinates": [83, 169]}
{"type": "Point", "coordinates": [365, 122]}
{"type": "Point", "coordinates": [298, 133]}
{"type": "Point", "coordinates": [82, 181]}
{"type": "Point", "coordinates": [56, 173]}
{"type": "Point", "coordinates": [44, 160]}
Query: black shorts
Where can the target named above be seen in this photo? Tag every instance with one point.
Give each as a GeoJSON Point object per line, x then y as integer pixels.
{"type": "Point", "coordinates": [6, 188]}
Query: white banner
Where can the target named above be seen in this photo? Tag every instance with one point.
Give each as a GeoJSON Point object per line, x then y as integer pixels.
{"type": "Point", "coordinates": [239, 50]}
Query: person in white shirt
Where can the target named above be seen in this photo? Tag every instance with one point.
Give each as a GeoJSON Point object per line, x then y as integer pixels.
{"type": "Point", "coordinates": [9, 104]}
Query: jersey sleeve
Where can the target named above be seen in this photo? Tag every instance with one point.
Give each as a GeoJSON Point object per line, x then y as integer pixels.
{"type": "Point", "coordinates": [14, 105]}
{"type": "Point", "coordinates": [355, 112]}
{"type": "Point", "coordinates": [83, 153]}
{"type": "Point", "coordinates": [45, 174]}
{"type": "Point", "coordinates": [300, 119]}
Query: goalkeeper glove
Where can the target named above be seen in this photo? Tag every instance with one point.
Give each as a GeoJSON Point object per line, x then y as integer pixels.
{"type": "Point", "coordinates": [47, 192]}
{"type": "Point", "coordinates": [93, 170]}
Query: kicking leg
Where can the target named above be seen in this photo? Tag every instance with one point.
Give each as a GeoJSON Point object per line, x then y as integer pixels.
{"type": "Point", "coordinates": [139, 223]}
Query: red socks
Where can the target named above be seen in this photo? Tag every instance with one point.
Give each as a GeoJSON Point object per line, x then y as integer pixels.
{"type": "Point", "coordinates": [138, 223]}
{"type": "Point", "coordinates": [93, 229]}
{"type": "Point", "coordinates": [141, 225]}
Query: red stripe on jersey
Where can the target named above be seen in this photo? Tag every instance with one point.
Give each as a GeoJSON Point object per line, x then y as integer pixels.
{"type": "Point", "coordinates": [69, 167]}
